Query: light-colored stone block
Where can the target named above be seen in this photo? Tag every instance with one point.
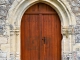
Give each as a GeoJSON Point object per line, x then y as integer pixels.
{"type": "Point", "coordinates": [3, 58]}
{"type": "Point", "coordinates": [5, 47]}
{"type": "Point", "coordinates": [3, 40]}
{"type": "Point", "coordinates": [3, 55]}
{"type": "Point", "coordinates": [2, 1]}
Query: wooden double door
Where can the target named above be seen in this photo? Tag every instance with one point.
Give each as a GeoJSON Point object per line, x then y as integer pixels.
{"type": "Point", "coordinates": [40, 34]}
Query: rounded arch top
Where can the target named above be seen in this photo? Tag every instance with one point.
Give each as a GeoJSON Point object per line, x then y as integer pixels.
{"type": "Point", "coordinates": [38, 7]}
{"type": "Point", "coordinates": [20, 6]}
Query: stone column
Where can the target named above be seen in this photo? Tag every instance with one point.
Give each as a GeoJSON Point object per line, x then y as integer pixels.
{"type": "Point", "coordinates": [18, 45]}
{"type": "Point", "coordinates": [12, 45]}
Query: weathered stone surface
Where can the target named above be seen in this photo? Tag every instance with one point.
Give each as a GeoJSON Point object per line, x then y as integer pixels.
{"type": "Point", "coordinates": [3, 58]}
{"type": "Point", "coordinates": [4, 8]}
{"type": "Point", "coordinates": [77, 39]}
{"type": "Point", "coordinates": [78, 17]}
{"type": "Point", "coordinates": [3, 40]}
{"type": "Point", "coordinates": [75, 6]}
{"type": "Point", "coordinates": [3, 55]}
{"type": "Point", "coordinates": [6, 1]}
{"type": "Point", "coordinates": [2, 1]}
{"type": "Point", "coordinates": [5, 47]}
{"type": "Point", "coordinates": [11, 1]}
{"type": "Point", "coordinates": [12, 56]}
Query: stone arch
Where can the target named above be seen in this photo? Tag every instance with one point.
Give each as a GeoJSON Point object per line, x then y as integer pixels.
{"type": "Point", "coordinates": [19, 7]}
{"type": "Point", "coordinates": [66, 16]}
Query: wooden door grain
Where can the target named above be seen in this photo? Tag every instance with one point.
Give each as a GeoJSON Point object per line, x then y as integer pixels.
{"type": "Point", "coordinates": [40, 34]}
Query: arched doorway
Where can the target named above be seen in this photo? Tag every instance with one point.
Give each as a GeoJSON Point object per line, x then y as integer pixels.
{"type": "Point", "coordinates": [40, 34]}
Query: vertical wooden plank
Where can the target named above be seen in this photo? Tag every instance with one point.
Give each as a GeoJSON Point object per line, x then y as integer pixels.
{"type": "Point", "coordinates": [50, 37]}
{"type": "Point", "coordinates": [56, 36]}
{"type": "Point", "coordinates": [38, 38]}
{"type": "Point", "coordinates": [59, 35]}
{"type": "Point", "coordinates": [52, 42]}
{"type": "Point", "coordinates": [42, 48]}
{"type": "Point", "coordinates": [46, 35]}
{"type": "Point", "coordinates": [34, 37]}
{"type": "Point", "coordinates": [27, 39]}
{"type": "Point", "coordinates": [53, 38]}
{"type": "Point", "coordinates": [57, 27]}
{"type": "Point", "coordinates": [22, 37]}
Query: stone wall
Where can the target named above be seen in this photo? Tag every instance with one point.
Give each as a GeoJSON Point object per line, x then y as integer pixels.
{"type": "Point", "coordinates": [4, 7]}
{"type": "Point", "coordinates": [75, 6]}
{"type": "Point", "coordinates": [5, 53]}
{"type": "Point", "coordinates": [4, 43]}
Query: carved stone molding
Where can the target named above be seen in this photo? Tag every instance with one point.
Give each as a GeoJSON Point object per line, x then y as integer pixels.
{"type": "Point", "coordinates": [14, 32]}
{"type": "Point", "coordinates": [66, 31]}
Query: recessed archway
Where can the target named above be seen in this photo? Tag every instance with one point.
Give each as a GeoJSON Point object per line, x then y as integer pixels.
{"type": "Point", "coordinates": [19, 7]}
{"type": "Point", "coordinates": [41, 33]}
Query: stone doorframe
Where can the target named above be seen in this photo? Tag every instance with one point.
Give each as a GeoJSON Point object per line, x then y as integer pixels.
{"type": "Point", "coordinates": [16, 12]}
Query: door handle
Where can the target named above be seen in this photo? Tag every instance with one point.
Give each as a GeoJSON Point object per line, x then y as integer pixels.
{"type": "Point", "coordinates": [44, 39]}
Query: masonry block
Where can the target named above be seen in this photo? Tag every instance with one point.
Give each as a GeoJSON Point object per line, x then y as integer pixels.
{"type": "Point", "coordinates": [3, 55]}
{"type": "Point", "coordinates": [5, 47]}
{"type": "Point", "coordinates": [3, 40]}
{"type": "Point", "coordinates": [3, 59]}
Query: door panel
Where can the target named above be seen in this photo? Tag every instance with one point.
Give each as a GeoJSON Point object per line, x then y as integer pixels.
{"type": "Point", "coordinates": [51, 32]}
{"type": "Point", "coordinates": [34, 37]}
{"type": "Point", "coordinates": [31, 37]}
{"type": "Point", "coordinates": [40, 34]}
